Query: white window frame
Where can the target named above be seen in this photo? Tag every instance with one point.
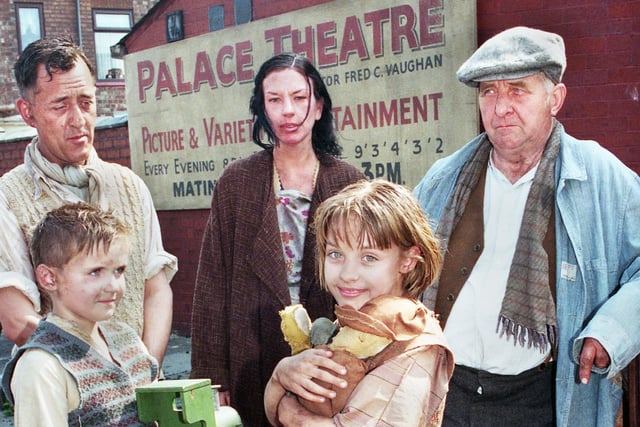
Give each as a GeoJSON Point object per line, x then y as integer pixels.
{"type": "Point", "coordinates": [106, 34]}
{"type": "Point", "coordinates": [29, 23]}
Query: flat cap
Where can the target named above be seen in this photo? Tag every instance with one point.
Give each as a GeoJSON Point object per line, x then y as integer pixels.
{"type": "Point", "coordinates": [515, 53]}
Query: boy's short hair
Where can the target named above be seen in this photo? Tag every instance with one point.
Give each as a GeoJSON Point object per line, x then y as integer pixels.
{"type": "Point", "coordinates": [387, 214]}
{"type": "Point", "coordinates": [72, 229]}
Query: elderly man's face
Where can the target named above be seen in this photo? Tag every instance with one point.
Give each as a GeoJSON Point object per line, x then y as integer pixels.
{"type": "Point", "coordinates": [517, 114]}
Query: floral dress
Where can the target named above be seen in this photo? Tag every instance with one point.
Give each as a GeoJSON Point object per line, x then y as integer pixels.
{"type": "Point", "coordinates": [292, 207]}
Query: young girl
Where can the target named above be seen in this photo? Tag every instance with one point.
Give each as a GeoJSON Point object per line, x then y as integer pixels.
{"type": "Point", "coordinates": [373, 240]}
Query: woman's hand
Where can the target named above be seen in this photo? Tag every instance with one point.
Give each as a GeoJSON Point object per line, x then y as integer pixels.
{"type": "Point", "coordinates": [296, 374]}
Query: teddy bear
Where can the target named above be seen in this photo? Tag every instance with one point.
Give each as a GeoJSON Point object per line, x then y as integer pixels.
{"type": "Point", "coordinates": [359, 339]}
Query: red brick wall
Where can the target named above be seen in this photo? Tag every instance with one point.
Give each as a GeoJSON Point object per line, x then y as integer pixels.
{"type": "Point", "coordinates": [151, 32]}
{"type": "Point", "coordinates": [8, 55]}
{"type": "Point", "coordinates": [110, 98]}
{"type": "Point", "coordinates": [112, 145]}
{"type": "Point", "coordinates": [266, 8]}
{"type": "Point", "coordinates": [11, 154]}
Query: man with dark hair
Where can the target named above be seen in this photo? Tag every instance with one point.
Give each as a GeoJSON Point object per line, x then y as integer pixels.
{"type": "Point", "coordinates": [58, 98]}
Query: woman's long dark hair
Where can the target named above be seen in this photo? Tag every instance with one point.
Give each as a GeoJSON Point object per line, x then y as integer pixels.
{"type": "Point", "coordinates": [323, 136]}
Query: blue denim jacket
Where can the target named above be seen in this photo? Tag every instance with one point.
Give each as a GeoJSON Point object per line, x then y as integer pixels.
{"type": "Point", "coordinates": [598, 267]}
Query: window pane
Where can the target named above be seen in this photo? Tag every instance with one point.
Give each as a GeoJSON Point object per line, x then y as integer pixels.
{"type": "Point", "coordinates": [105, 62]}
{"type": "Point", "coordinates": [109, 28]}
{"type": "Point", "coordinates": [29, 25]}
{"type": "Point", "coordinates": [242, 9]}
{"type": "Point", "coordinates": [112, 20]}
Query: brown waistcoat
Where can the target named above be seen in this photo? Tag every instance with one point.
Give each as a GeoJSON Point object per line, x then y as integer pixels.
{"type": "Point", "coordinates": [466, 243]}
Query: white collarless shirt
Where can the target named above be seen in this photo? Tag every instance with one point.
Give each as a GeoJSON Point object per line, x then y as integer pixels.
{"type": "Point", "coordinates": [471, 329]}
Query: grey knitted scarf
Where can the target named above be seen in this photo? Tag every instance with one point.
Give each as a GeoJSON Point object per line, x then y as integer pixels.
{"type": "Point", "coordinates": [528, 311]}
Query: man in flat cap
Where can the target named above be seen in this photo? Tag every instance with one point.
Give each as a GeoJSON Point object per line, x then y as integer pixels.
{"type": "Point", "coordinates": [540, 286]}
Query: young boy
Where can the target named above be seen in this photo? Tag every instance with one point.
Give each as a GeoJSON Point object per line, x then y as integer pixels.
{"type": "Point", "coordinates": [77, 369]}
{"type": "Point", "coordinates": [376, 255]}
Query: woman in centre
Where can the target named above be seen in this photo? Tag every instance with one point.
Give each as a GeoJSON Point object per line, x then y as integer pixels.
{"type": "Point", "coordinates": [257, 255]}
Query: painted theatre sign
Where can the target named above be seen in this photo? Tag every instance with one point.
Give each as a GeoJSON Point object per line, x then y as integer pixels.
{"type": "Point", "coordinates": [389, 67]}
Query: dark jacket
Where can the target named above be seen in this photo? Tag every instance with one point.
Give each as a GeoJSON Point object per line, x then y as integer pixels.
{"type": "Point", "coordinates": [242, 282]}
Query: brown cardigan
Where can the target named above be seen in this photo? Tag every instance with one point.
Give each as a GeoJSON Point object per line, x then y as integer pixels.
{"type": "Point", "coordinates": [242, 283]}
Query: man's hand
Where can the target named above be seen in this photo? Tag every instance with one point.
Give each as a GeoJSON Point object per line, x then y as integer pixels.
{"type": "Point", "coordinates": [158, 312]}
{"type": "Point", "coordinates": [17, 315]}
{"type": "Point", "coordinates": [593, 353]}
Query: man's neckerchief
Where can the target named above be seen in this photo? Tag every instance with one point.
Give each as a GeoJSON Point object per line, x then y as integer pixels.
{"type": "Point", "coordinates": [528, 310]}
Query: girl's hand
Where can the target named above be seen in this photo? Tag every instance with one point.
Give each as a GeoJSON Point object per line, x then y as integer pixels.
{"type": "Point", "coordinates": [291, 413]}
{"type": "Point", "coordinates": [296, 374]}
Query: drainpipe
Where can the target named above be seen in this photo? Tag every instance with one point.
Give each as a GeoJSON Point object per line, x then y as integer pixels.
{"type": "Point", "coordinates": [79, 24]}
